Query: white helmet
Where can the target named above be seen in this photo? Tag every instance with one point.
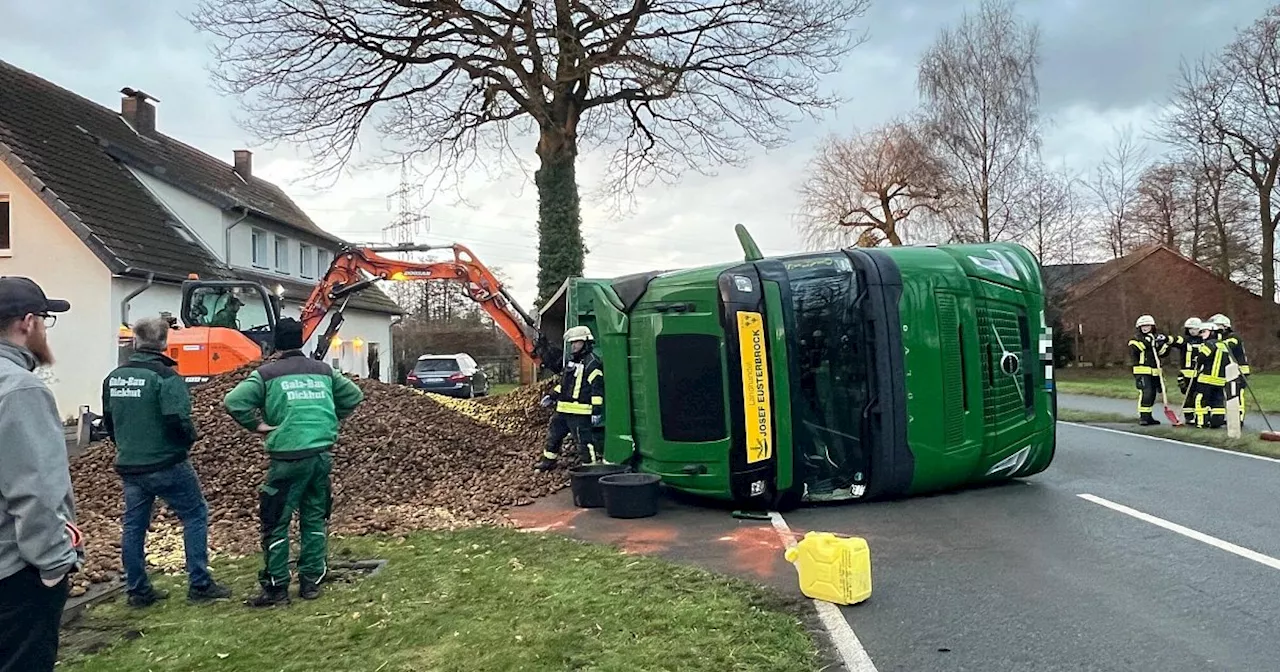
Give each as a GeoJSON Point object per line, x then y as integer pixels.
{"type": "Point", "coordinates": [1145, 321]}
{"type": "Point", "coordinates": [1221, 320]}
{"type": "Point", "coordinates": [1209, 326]}
{"type": "Point", "coordinates": [578, 333]}
{"type": "Point", "coordinates": [1191, 323]}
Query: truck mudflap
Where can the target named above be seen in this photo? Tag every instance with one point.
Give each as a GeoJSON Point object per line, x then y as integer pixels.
{"type": "Point", "coordinates": [754, 455]}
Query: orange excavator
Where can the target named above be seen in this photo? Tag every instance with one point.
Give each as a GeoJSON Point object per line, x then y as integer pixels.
{"type": "Point", "coordinates": [229, 323]}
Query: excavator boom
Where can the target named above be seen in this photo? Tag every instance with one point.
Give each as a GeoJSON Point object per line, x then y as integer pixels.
{"type": "Point", "coordinates": [357, 268]}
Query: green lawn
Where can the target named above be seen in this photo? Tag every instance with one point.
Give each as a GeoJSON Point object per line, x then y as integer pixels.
{"type": "Point", "coordinates": [473, 600]}
{"type": "Point", "coordinates": [1118, 384]}
{"type": "Point", "coordinates": [501, 388]}
{"type": "Point", "coordinates": [1247, 443]}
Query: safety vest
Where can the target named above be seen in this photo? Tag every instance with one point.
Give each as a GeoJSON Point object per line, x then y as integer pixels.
{"type": "Point", "coordinates": [1143, 351]}
{"type": "Point", "coordinates": [581, 387]}
{"type": "Point", "coordinates": [1212, 357]}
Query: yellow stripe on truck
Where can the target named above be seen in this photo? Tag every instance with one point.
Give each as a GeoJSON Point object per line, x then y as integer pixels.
{"type": "Point", "coordinates": [755, 387]}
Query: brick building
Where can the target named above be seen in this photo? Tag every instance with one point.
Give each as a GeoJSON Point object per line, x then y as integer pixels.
{"type": "Point", "coordinates": [1093, 306]}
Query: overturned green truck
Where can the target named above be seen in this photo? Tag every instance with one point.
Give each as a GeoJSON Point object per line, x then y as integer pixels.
{"type": "Point", "coordinates": [842, 375]}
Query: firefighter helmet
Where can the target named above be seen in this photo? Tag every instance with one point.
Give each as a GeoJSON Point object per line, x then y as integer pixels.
{"type": "Point", "coordinates": [578, 333]}
{"type": "Point", "coordinates": [1221, 320]}
{"type": "Point", "coordinates": [1209, 326]}
{"type": "Point", "coordinates": [1145, 321]}
{"type": "Point", "coordinates": [1191, 323]}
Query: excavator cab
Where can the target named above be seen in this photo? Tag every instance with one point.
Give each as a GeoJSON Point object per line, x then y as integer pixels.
{"type": "Point", "coordinates": [228, 323]}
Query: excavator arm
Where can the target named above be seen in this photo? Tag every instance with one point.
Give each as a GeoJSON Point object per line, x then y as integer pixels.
{"type": "Point", "coordinates": [357, 268]}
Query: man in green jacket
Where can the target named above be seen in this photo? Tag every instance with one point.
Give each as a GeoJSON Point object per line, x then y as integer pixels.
{"type": "Point", "coordinates": [146, 410]}
{"type": "Point", "coordinates": [297, 402]}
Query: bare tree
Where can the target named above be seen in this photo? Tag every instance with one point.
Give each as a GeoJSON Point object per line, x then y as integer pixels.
{"type": "Point", "coordinates": [668, 84]}
{"type": "Point", "coordinates": [862, 190]}
{"type": "Point", "coordinates": [1231, 104]}
{"type": "Point", "coordinates": [982, 99]}
{"type": "Point", "coordinates": [1049, 213]}
{"type": "Point", "coordinates": [1164, 207]}
{"type": "Point", "coordinates": [1115, 189]}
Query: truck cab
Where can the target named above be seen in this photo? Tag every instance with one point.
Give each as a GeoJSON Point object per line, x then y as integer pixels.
{"type": "Point", "coordinates": [848, 374]}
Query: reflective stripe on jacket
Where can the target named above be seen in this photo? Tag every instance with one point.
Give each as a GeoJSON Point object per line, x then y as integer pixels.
{"type": "Point", "coordinates": [1143, 352]}
{"type": "Point", "coordinates": [1212, 357]}
{"type": "Point", "coordinates": [581, 387]}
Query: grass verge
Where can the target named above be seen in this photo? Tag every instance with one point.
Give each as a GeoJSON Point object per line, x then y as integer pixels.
{"type": "Point", "coordinates": [1118, 384]}
{"type": "Point", "coordinates": [485, 599]}
{"type": "Point", "coordinates": [1247, 443]}
{"type": "Point", "coordinates": [501, 388]}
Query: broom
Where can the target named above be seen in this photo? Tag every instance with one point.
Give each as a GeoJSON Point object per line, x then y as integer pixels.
{"type": "Point", "coordinates": [1271, 434]}
{"type": "Point", "coordinates": [1168, 412]}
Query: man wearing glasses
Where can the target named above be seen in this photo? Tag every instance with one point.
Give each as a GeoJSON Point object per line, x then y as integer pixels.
{"type": "Point", "coordinates": [39, 542]}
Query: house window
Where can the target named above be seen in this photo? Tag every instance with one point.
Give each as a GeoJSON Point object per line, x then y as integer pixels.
{"type": "Point", "coordinates": [259, 248]}
{"type": "Point", "coordinates": [6, 240]}
{"type": "Point", "coordinates": [323, 257]}
{"type": "Point", "coordinates": [282, 254]}
{"type": "Point", "coordinates": [306, 262]}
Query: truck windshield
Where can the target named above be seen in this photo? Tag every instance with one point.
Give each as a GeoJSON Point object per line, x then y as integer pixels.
{"type": "Point", "coordinates": [834, 365]}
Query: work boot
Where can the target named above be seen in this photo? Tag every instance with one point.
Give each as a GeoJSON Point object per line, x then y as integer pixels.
{"type": "Point", "coordinates": [270, 597]}
{"type": "Point", "coordinates": [1146, 420]}
{"type": "Point", "coordinates": [209, 593]}
{"type": "Point", "coordinates": [307, 589]}
{"type": "Point", "coordinates": [148, 598]}
{"type": "Point", "coordinates": [547, 464]}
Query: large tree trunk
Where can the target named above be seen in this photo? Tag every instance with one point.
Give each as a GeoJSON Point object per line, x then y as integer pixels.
{"type": "Point", "coordinates": [560, 248]}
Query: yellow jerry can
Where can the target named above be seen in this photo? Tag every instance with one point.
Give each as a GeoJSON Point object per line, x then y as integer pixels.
{"type": "Point", "coordinates": [831, 568]}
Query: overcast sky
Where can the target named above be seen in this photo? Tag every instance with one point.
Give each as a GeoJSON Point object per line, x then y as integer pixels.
{"type": "Point", "coordinates": [1105, 64]}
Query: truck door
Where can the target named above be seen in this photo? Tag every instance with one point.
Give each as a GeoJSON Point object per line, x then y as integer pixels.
{"type": "Point", "coordinates": [678, 387]}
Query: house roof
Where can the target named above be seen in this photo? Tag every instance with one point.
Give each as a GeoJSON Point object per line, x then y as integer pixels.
{"type": "Point", "coordinates": [73, 153]}
{"type": "Point", "coordinates": [1060, 278]}
{"type": "Point", "coordinates": [1113, 269]}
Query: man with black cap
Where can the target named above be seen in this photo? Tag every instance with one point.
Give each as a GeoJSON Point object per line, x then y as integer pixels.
{"type": "Point", "coordinates": [297, 402]}
{"type": "Point", "coordinates": [40, 544]}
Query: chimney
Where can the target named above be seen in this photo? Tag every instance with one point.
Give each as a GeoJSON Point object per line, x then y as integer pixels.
{"type": "Point", "coordinates": [136, 108]}
{"type": "Point", "coordinates": [244, 163]}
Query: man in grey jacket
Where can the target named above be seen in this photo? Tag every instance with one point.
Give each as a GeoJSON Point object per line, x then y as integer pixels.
{"type": "Point", "coordinates": [40, 544]}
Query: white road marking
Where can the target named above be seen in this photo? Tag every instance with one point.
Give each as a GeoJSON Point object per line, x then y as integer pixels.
{"type": "Point", "coordinates": [855, 657]}
{"type": "Point", "coordinates": [1173, 441]}
{"type": "Point", "coordinates": [1186, 532]}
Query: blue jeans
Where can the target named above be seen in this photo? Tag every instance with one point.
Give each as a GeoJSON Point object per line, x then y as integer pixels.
{"type": "Point", "coordinates": [180, 489]}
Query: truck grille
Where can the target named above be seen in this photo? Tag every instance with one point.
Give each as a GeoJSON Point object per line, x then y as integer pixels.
{"type": "Point", "coordinates": [1003, 399]}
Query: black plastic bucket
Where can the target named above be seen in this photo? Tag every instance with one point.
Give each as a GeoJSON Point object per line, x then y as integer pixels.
{"type": "Point", "coordinates": [630, 495]}
{"type": "Point", "coordinates": [585, 482]}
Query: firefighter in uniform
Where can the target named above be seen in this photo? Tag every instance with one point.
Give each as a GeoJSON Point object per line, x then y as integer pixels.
{"type": "Point", "coordinates": [1186, 344]}
{"type": "Point", "coordinates": [1236, 348]}
{"type": "Point", "coordinates": [1212, 357]}
{"type": "Point", "coordinates": [579, 402]}
{"type": "Point", "coordinates": [1145, 349]}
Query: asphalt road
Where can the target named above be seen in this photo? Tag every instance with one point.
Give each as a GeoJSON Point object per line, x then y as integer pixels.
{"type": "Point", "coordinates": [1253, 420]}
{"type": "Point", "coordinates": [1030, 576]}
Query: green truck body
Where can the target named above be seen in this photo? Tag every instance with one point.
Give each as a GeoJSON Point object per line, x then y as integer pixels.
{"type": "Point", "coordinates": [849, 374]}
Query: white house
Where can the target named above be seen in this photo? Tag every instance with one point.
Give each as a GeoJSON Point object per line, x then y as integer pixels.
{"type": "Point", "coordinates": [97, 204]}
